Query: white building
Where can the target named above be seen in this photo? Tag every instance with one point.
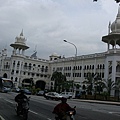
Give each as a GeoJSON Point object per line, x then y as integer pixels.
{"type": "Point", "coordinates": [25, 69]}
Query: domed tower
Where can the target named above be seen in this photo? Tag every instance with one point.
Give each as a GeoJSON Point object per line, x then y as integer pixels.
{"type": "Point", "coordinates": [19, 45]}
{"type": "Point", "coordinates": [113, 37]}
{"type": "Point", "coordinates": [112, 61]}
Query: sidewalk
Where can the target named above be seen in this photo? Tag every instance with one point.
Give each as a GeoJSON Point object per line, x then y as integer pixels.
{"type": "Point", "coordinates": [98, 101]}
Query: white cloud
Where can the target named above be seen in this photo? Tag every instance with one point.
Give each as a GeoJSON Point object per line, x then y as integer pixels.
{"type": "Point", "coordinates": [47, 22]}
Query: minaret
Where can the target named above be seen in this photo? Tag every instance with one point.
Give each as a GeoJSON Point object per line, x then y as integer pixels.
{"type": "Point", "coordinates": [113, 37]}
{"type": "Point", "coordinates": [113, 52]}
{"type": "Point", "coordinates": [19, 45]}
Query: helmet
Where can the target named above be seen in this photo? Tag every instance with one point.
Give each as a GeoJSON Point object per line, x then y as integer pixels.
{"type": "Point", "coordinates": [22, 91]}
{"type": "Point", "coordinates": [64, 100]}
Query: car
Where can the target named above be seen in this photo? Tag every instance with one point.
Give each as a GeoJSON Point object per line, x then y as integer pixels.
{"type": "Point", "coordinates": [40, 93]}
{"type": "Point", "coordinates": [53, 96]}
{"type": "Point", "coordinates": [67, 95]}
{"type": "Point", "coordinates": [16, 90]}
{"type": "Point", "coordinates": [27, 92]}
{"type": "Point", "coordinates": [5, 90]}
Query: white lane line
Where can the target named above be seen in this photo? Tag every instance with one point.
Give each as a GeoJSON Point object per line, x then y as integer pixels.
{"type": "Point", "coordinates": [115, 113]}
{"type": "Point", "coordinates": [39, 114]}
{"type": "Point", "coordinates": [9, 101]}
{"type": "Point", "coordinates": [33, 112]}
{"type": "Point", "coordinates": [29, 111]}
{"type": "Point", "coordinates": [1, 118]}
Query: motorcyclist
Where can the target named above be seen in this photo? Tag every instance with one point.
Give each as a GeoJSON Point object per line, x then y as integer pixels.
{"type": "Point", "coordinates": [19, 99]}
{"type": "Point", "coordinates": [61, 109]}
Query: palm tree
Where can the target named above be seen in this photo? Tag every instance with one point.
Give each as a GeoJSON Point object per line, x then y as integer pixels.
{"type": "Point", "coordinates": [58, 79]}
{"type": "Point", "coordinates": [94, 83]}
{"type": "Point", "coordinates": [117, 87]}
{"type": "Point", "coordinates": [67, 85]}
{"type": "Point", "coordinates": [108, 84]}
{"type": "Point", "coordinates": [89, 81]}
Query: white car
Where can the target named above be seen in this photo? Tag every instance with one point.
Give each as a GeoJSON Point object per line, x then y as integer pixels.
{"type": "Point", "coordinates": [53, 96]}
{"type": "Point", "coordinates": [67, 95]}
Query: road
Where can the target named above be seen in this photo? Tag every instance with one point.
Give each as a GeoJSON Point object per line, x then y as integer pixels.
{"type": "Point", "coordinates": [41, 109]}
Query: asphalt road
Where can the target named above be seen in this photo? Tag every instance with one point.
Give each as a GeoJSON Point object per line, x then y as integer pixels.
{"type": "Point", "coordinates": [41, 109]}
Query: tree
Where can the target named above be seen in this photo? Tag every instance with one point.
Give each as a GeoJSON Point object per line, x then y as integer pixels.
{"type": "Point", "coordinates": [89, 81]}
{"type": "Point", "coordinates": [93, 82]}
{"type": "Point", "coordinates": [59, 80]}
{"type": "Point", "coordinates": [117, 87]}
{"type": "Point", "coordinates": [67, 85]}
{"type": "Point", "coordinates": [108, 84]}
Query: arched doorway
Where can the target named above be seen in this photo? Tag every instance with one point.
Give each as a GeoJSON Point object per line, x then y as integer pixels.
{"type": "Point", "coordinates": [5, 75]}
{"type": "Point", "coordinates": [28, 82]}
{"type": "Point", "coordinates": [40, 84]}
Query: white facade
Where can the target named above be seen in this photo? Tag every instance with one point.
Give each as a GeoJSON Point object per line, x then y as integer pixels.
{"type": "Point", "coordinates": [19, 67]}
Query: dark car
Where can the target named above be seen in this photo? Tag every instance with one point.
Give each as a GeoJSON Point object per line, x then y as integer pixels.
{"type": "Point", "coordinates": [40, 93]}
{"type": "Point", "coordinates": [53, 96]}
{"type": "Point", "coordinates": [27, 92]}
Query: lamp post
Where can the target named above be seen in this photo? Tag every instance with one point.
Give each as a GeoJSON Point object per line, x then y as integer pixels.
{"type": "Point", "coordinates": [74, 59]}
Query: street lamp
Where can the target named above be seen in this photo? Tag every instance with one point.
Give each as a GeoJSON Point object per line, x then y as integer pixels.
{"type": "Point", "coordinates": [74, 46]}
{"type": "Point", "coordinates": [74, 59]}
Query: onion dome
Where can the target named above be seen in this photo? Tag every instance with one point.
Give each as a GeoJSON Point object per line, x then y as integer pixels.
{"type": "Point", "coordinates": [115, 27]}
{"type": "Point", "coordinates": [20, 42]}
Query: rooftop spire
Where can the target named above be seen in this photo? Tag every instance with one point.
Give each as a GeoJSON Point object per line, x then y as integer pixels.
{"type": "Point", "coordinates": [21, 34]}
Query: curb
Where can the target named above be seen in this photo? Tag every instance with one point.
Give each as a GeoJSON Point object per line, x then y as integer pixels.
{"type": "Point", "coordinates": [99, 102]}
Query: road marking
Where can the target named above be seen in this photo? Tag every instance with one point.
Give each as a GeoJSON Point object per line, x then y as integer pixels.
{"type": "Point", "coordinates": [33, 112]}
{"type": "Point", "coordinates": [115, 113]}
{"type": "Point", "coordinates": [29, 111]}
{"type": "Point", "coordinates": [1, 118]}
{"type": "Point", "coordinates": [9, 101]}
{"type": "Point", "coordinates": [39, 114]}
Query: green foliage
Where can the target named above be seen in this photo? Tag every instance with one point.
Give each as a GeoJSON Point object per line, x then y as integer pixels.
{"type": "Point", "coordinates": [89, 81]}
{"type": "Point", "coordinates": [109, 85]}
{"type": "Point", "coordinates": [67, 85]}
{"type": "Point", "coordinates": [38, 89]}
{"type": "Point", "coordinates": [59, 80]}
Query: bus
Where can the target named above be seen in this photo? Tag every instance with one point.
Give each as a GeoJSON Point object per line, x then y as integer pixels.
{"type": "Point", "coordinates": [5, 85]}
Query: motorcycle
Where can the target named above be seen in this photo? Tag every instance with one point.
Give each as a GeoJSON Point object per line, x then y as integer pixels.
{"type": "Point", "coordinates": [22, 108]}
{"type": "Point", "coordinates": [68, 116]}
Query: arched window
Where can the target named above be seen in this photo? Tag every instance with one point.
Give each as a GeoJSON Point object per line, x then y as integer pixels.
{"type": "Point", "coordinates": [98, 66]}
{"type": "Point", "coordinates": [16, 79]}
{"type": "Point", "coordinates": [80, 67]}
{"type": "Point", "coordinates": [118, 68]}
{"type": "Point", "coordinates": [87, 67]}
{"type": "Point", "coordinates": [92, 66]}
{"type": "Point", "coordinates": [103, 66]}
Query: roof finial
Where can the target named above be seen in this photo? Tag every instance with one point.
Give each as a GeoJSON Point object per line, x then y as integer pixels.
{"type": "Point", "coordinates": [35, 48]}
{"type": "Point", "coordinates": [109, 26]}
{"type": "Point", "coordinates": [21, 34]}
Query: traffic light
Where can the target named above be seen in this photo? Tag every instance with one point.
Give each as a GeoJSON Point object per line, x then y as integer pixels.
{"type": "Point", "coordinates": [94, 0]}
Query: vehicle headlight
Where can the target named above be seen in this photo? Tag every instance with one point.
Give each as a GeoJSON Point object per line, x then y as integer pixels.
{"type": "Point", "coordinates": [71, 112]}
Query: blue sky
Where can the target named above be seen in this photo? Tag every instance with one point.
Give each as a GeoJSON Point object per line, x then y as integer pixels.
{"type": "Point", "coordinates": [46, 23]}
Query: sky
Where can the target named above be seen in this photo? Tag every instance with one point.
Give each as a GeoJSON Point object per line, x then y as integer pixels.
{"type": "Point", "coordinates": [46, 23]}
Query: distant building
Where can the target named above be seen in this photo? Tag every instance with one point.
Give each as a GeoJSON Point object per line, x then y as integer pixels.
{"type": "Point", "coordinates": [27, 70]}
